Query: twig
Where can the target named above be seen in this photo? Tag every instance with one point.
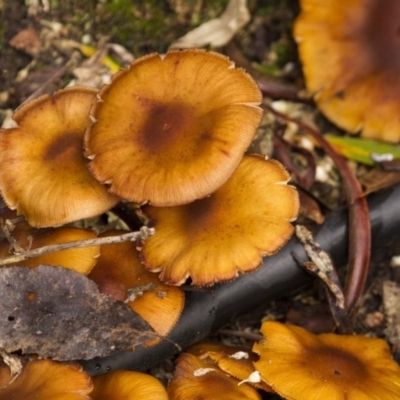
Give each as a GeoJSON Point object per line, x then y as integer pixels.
{"type": "Point", "coordinates": [126, 237]}
{"type": "Point", "coordinates": [270, 87]}
{"type": "Point", "coordinates": [57, 75]}
{"type": "Point", "coordinates": [281, 151]}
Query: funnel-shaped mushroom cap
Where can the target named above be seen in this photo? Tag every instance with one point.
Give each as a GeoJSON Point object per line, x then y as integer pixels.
{"type": "Point", "coordinates": [296, 363]}
{"type": "Point", "coordinates": [196, 379]}
{"type": "Point", "coordinates": [120, 274]}
{"type": "Point", "coordinates": [350, 52]}
{"type": "Point", "coordinates": [214, 238]}
{"type": "Point", "coordinates": [49, 380]}
{"type": "Point", "coordinates": [43, 172]}
{"type": "Point", "coordinates": [127, 385]}
{"type": "Point", "coordinates": [172, 129]}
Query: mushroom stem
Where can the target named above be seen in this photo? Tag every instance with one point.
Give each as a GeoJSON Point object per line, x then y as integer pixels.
{"type": "Point", "coordinates": [206, 311]}
{"type": "Point", "coordinates": [126, 237]}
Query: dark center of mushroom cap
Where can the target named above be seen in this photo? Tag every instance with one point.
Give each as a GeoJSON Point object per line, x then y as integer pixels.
{"type": "Point", "coordinates": [166, 125]}
{"type": "Point", "coordinates": [200, 214]}
{"type": "Point", "coordinates": [66, 150]}
{"type": "Point", "coordinates": [334, 364]}
{"type": "Point", "coordinates": [381, 32]}
{"type": "Point", "coordinates": [207, 216]}
{"type": "Point", "coordinates": [64, 147]}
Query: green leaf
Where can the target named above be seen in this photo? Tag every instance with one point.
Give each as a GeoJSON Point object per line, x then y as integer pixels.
{"type": "Point", "coordinates": [362, 150]}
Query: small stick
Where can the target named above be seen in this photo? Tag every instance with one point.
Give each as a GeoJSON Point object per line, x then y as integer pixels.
{"type": "Point", "coordinates": [126, 237]}
{"type": "Point", "coordinates": [57, 75]}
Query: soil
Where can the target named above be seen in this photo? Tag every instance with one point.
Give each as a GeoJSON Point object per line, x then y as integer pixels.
{"type": "Point", "coordinates": [144, 27]}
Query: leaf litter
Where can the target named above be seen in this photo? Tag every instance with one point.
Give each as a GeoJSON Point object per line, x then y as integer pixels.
{"type": "Point", "coordinates": [56, 312]}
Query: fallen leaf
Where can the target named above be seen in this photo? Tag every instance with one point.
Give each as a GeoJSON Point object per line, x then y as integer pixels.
{"type": "Point", "coordinates": [106, 60]}
{"type": "Point", "coordinates": [309, 207]}
{"type": "Point", "coordinates": [365, 151]}
{"type": "Point", "coordinates": [219, 31]}
{"type": "Point", "coordinates": [56, 312]}
{"type": "Point", "coordinates": [27, 40]}
{"type": "Point", "coordinates": [378, 179]}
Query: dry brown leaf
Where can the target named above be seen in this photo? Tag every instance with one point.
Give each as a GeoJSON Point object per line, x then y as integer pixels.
{"type": "Point", "coordinates": [378, 179]}
{"type": "Point", "coordinates": [56, 312]}
{"type": "Point", "coordinates": [219, 31]}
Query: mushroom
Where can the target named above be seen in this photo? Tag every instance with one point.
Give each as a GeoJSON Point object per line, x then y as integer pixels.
{"type": "Point", "coordinates": [43, 172]}
{"type": "Point", "coordinates": [295, 363]}
{"type": "Point", "coordinates": [236, 362]}
{"type": "Point", "coordinates": [196, 379]}
{"type": "Point", "coordinates": [350, 53]}
{"type": "Point", "coordinates": [120, 274]}
{"type": "Point", "coordinates": [215, 238]}
{"type": "Point", "coordinates": [48, 380]}
{"type": "Point", "coordinates": [127, 385]}
{"type": "Point", "coordinates": [172, 128]}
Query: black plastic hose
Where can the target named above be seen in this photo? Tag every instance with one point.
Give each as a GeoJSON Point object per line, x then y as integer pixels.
{"type": "Point", "coordinates": [208, 310]}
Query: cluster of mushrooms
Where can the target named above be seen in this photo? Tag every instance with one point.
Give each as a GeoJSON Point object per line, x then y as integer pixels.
{"type": "Point", "coordinates": [289, 361]}
{"type": "Point", "coordinates": [168, 135]}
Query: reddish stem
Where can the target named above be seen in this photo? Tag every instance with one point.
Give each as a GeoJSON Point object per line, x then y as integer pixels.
{"type": "Point", "coordinates": [359, 223]}
{"type": "Point", "coordinates": [271, 87]}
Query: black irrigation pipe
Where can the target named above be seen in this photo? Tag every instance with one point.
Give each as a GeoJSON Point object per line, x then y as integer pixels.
{"type": "Point", "coordinates": [208, 310]}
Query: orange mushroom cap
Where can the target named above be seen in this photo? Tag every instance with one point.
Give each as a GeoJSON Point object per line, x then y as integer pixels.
{"type": "Point", "coordinates": [298, 364]}
{"type": "Point", "coordinates": [237, 362]}
{"type": "Point", "coordinates": [5, 374]}
{"type": "Point", "coordinates": [43, 172]}
{"type": "Point", "coordinates": [127, 385]}
{"type": "Point", "coordinates": [196, 379]}
{"type": "Point", "coordinates": [48, 380]}
{"type": "Point", "coordinates": [214, 238]}
{"type": "Point", "coordinates": [81, 260]}
{"type": "Point", "coordinates": [350, 51]}
{"type": "Point", "coordinates": [119, 271]}
{"type": "Point", "coordinates": [173, 128]}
